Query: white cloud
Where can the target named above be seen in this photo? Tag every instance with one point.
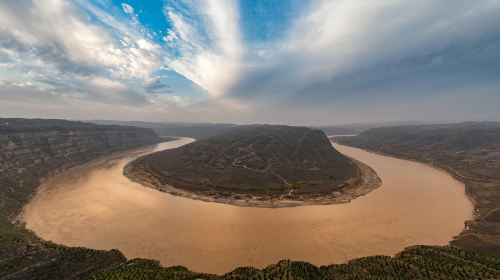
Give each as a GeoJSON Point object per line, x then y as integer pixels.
{"type": "Point", "coordinates": [98, 61]}
{"type": "Point", "coordinates": [333, 39]}
{"type": "Point", "coordinates": [170, 38]}
{"type": "Point", "coordinates": [103, 83]}
{"type": "Point", "coordinates": [57, 32]}
{"type": "Point", "coordinates": [127, 8]}
{"type": "Point", "coordinates": [209, 45]}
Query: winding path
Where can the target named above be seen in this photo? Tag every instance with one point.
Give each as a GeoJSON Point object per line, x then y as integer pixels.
{"type": "Point", "coordinates": [237, 162]}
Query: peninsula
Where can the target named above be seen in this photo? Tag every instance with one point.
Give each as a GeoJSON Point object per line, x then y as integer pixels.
{"type": "Point", "coordinates": [257, 165]}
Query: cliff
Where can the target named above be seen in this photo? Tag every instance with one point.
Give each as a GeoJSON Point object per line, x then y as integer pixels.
{"type": "Point", "coordinates": [30, 150]}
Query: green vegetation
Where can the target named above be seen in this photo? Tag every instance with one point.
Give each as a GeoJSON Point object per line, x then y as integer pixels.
{"type": "Point", "coordinates": [34, 259]}
{"type": "Point", "coordinates": [420, 262]}
{"type": "Point", "coordinates": [469, 151]}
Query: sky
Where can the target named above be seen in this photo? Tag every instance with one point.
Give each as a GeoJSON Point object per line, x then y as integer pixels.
{"type": "Point", "coordinates": [305, 62]}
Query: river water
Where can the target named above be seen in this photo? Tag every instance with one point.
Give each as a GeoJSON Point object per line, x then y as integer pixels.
{"type": "Point", "coordinates": [95, 206]}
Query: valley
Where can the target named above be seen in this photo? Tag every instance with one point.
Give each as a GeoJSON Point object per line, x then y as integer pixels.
{"type": "Point", "coordinates": [89, 203]}
{"type": "Point", "coordinates": [96, 206]}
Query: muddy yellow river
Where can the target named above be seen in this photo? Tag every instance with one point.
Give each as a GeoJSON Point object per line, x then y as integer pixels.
{"type": "Point", "coordinates": [95, 206]}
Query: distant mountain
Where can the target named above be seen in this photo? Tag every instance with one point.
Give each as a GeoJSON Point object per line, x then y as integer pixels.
{"type": "Point", "coordinates": [356, 128]}
{"type": "Point", "coordinates": [258, 160]}
{"type": "Point", "coordinates": [205, 130]}
{"type": "Point", "coordinates": [337, 130]}
{"type": "Point", "coordinates": [182, 129]}
{"type": "Point", "coordinates": [457, 137]}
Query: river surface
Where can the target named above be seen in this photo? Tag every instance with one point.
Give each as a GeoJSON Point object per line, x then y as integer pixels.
{"type": "Point", "coordinates": [95, 206]}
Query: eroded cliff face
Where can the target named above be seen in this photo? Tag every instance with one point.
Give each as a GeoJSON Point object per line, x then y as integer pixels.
{"type": "Point", "coordinates": [33, 149]}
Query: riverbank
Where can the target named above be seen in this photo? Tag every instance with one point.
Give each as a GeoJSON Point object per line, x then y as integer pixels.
{"type": "Point", "coordinates": [69, 200]}
{"type": "Point", "coordinates": [469, 152]}
{"type": "Point", "coordinates": [32, 151]}
{"type": "Point", "coordinates": [96, 206]}
{"type": "Point", "coordinates": [366, 182]}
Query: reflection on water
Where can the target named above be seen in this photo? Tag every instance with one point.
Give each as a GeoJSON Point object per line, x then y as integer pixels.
{"type": "Point", "coordinates": [96, 206]}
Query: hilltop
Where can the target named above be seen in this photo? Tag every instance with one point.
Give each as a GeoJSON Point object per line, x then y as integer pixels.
{"type": "Point", "coordinates": [257, 165]}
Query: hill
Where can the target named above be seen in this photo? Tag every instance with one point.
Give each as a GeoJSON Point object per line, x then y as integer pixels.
{"type": "Point", "coordinates": [181, 129]}
{"type": "Point", "coordinates": [469, 151]}
{"type": "Point", "coordinates": [256, 163]}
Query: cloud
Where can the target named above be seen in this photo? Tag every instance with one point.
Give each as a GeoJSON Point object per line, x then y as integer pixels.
{"type": "Point", "coordinates": [155, 85]}
{"type": "Point", "coordinates": [24, 93]}
{"type": "Point", "coordinates": [329, 58]}
{"type": "Point", "coordinates": [127, 8]}
{"type": "Point", "coordinates": [59, 34]}
{"type": "Point", "coordinates": [206, 38]}
{"type": "Point", "coordinates": [170, 38]}
{"type": "Point", "coordinates": [98, 99]}
{"type": "Point", "coordinates": [56, 45]}
{"type": "Point", "coordinates": [339, 40]}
